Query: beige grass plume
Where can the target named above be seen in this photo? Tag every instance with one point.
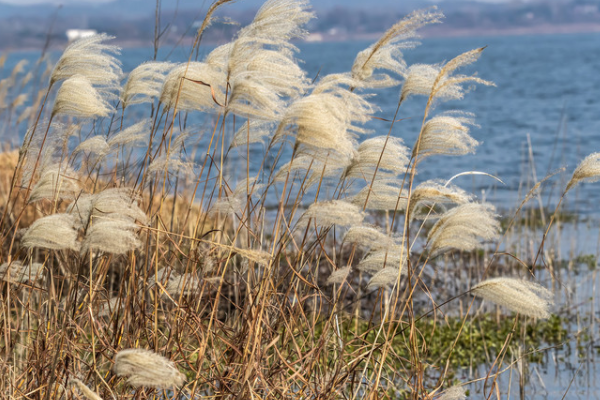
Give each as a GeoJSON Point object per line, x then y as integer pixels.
{"type": "Point", "coordinates": [261, 68]}
{"type": "Point", "coordinates": [385, 277]}
{"type": "Point", "coordinates": [524, 297]}
{"type": "Point", "coordinates": [333, 212]}
{"type": "Point", "coordinates": [56, 182]}
{"type": "Point", "coordinates": [383, 195]}
{"type": "Point", "coordinates": [438, 81]}
{"type": "Point", "coordinates": [447, 134]}
{"type": "Point", "coordinates": [388, 155]}
{"type": "Point", "coordinates": [588, 170]}
{"type": "Point", "coordinates": [236, 202]}
{"type": "Point", "coordinates": [328, 119]}
{"type": "Point", "coordinates": [377, 260]}
{"type": "Point", "coordinates": [456, 392]}
{"type": "Point", "coordinates": [314, 165]}
{"type": "Point", "coordinates": [431, 193]}
{"type": "Point", "coordinates": [147, 369]}
{"type": "Point", "coordinates": [76, 97]}
{"type": "Point", "coordinates": [462, 228]}
{"type": "Point", "coordinates": [91, 58]}
{"type": "Point", "coordinates": [55, 232]}
{"type": "Point", "coordinates": [17, 272]}
{"type": "Point", "coordinates": [100, 147]}
{"type": "Point", "coordinates": [369, 236]}
{"type": "Point", "coordinates": [144, 83]}
{"type": "Point", "coordinates": [253, 132]}
{"type": "Point", "coordinates": [386, 53]}
{"type": "Point", "coordinates": [339, 275]}
{"type": "Point", "coordinates": [85, 390]}
{"type": "Point", "coordinates": [173, 161]}
{"type": "Point", "coordinates": [194, 86]}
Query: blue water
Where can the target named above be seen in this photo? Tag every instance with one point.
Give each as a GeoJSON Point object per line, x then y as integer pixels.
{"type": "Point", "coordinates": [547, 87]}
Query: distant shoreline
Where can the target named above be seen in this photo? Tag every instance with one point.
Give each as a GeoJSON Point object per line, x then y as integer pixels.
{"type": "Point", "coordinates": [435, 32]}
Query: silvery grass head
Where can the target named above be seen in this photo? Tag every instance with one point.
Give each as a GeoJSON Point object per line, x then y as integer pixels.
{"type": "Point", "coordinates": [91, 58]}
{"type": "Point", "coordinates": [56, 182]}
{"type": "Point", "coordinates": [333, 212]}
{"type": "Point", "coordinates": [236, 202]}
{"type": "Point", "coordinates": [438, 82]}
{"type": "Point", "coordinates": [76, 97]}
{"type": "Point", "coordinates": [431, 193]}
{"type": "Point", "coordinates": [85, 390]}
{"type": "Point", "coordinates": [144, 368]}
{"type": "Point", "coordinates": [253, 132]}
{"type": "Point", "coordinates": [262, 71]}
{"type": "Point", "coordinates": [370, 237]}
{"type": "Point", "coordinates": [119, 203]}
{"type": "Point", "coordinates": [55, 232]}
{"type": "Point", "coordinates": [386, 53]}
{"type": "Point", "coordinates": [388, 156]}
{"type": "Point", "coordinates": [447, 134]}
{"type": "Point", "coordinates": [99, 147]}
{"type": "Point", "coordinates": [145, 82]}
{"type": "Point", "coordinates": [17, 272]}
{"type": "Point", "coordinates": [194, 86]}
{"type": "Point", "coordinates": [456, 392]}
{"type": "Point", "coordinates": [385, 277]}
{"type": "Point", "coordinates": [379, 259]}
{"type": "Point", "coordinates": [462, 228]}
{"type": "Point", "coordinates": [173, 160]}
{"type": "Point", "coordinates": [314, 166]}
{"type": "Point", "coordinates": [524, 297]}
{"type": "Point", "coordinates": [383, 195]}
{"type": "Point", "coordinates": [328, 119]}
{"type": "Point", "coordinates": [587, 171]}
{"type": "Point", "coordinates": [111, 234]}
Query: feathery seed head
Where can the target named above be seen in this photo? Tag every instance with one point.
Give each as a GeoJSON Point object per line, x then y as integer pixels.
{"type": "Point", "coordinates": [588, 170]}
{"type": "Point", "coordinates": [369, 236]}
{"type": "Point", "coordinates": [145, 82]}
{"type": "Point", "coordinates": [386, 52]}
{"type": "Point", "coordinates": [281, 19]}
{"type": "Point", "coordinates": [252, 132]}
{"type": "Point", "coordinates": [456, 392]}
{"type": "Point", "coordinates": [55, 232]}
{"type": "Point", "coordinates": [383, 258]}
{"type": "Point", "coordinates": [383, 195]}
{"type": "Point", "coordinates": [132, 135]}
{"type": "Point", "coordinates": [447, 134]}
{"type": "Point", "coordinates": [78, 98]}
{"type": "Point", "coordinates": [19, 272]}
{"type": "Point", "coordinates": [55, 183]}
{"type": "Point", "coordinates": [339, 275]}
{"type": "Point", "coordinates": [146, 368]}
{"type": "Point", "coordinates": [85, 391]}
{"type": "Point", "coordinates": [463, 227]}
{"type": "Point", "coordinates": [384, 277]}
{"type": "Point", "coordinates": [334, 212]}
{"type": "Point", "coordinates": [194, 86]}
{"type": "Point", "coordinates": [431, 193]}
{"type": "Point", "coordinates": [388, 155]}
{"type": "Point", "coordinates": [524, 297]}
{"type": "Point", "coordinates": [111, 234]}
{"type": "Point", "coordinates": [91, 58]}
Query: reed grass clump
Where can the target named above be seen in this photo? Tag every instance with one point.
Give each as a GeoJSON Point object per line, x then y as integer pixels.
{"type": "Point", "coordinates": [285, 247]}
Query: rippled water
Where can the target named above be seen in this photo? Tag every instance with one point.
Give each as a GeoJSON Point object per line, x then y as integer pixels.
{"type": "Point", "coordinates": [547, 87]}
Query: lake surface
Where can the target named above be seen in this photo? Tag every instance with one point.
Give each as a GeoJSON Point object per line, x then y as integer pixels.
{"type": "Point", "coordinates": [548, 93]}
{"type": "Point", "coordinates": [546, 89]}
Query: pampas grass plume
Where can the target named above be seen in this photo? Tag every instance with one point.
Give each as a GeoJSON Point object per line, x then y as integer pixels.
{"type": "Point", "coordinates": [78, 98]}
{"type": "Point", "coordinates": [85, 391]}
{"type": "Point", "coordinates": [146, 368]}
{"type": "Point", "coordinates": [334, 212]}
{"type": "Point", "coordinates": [524, 297]}
{"type": "Point", "coordinates": [588, 170]}
{"type": "Point", "coordinates": [462, 228]}
{"type": "Point", "coordinates": [54, 232]}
